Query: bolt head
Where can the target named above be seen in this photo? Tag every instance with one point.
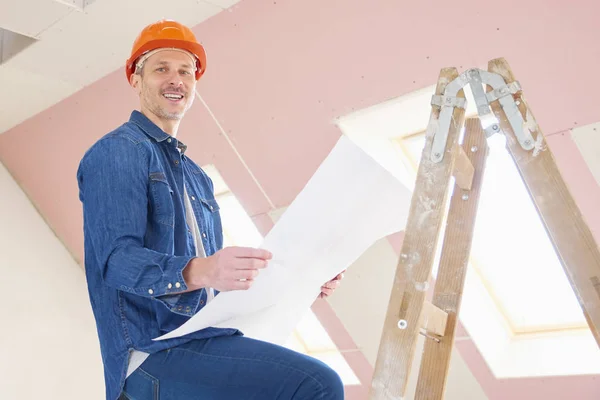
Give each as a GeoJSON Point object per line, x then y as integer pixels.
{"type": "Point", "coordinates": [402, 324]}
{"type": "Point", "coordinates": [473, 149]}
{"type": "Point", "coordinates": [527, 142]}
{"type": "Point", "coordinates": [437, 155]}
{"type": "Point", "coordinates": [495, 127]}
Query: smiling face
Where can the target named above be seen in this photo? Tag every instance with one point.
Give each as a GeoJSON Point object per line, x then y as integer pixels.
{"type": "Point", "coordinates": [166, 85]}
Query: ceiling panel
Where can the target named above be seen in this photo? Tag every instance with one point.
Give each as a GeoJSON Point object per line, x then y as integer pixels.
{"type": "Point", "coordinates": [77, 48]}
{"type": "Point", "coordinates": [17, 15]}
{"type": "Point", "coordinates": [99, 41]}
{"type": "Point", "coordinates": [29, 93]}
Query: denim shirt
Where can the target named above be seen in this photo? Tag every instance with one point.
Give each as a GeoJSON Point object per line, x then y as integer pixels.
{"type": "Point", "coordinates": [137, 242]}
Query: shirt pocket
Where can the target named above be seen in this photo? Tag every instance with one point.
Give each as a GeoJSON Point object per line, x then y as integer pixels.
{"type": "Point", "coordinates": [161, 203]}
{"type": "Point", "coordinates": [210, 205]}
{"type": "Point", "coordinates": [212, 218]}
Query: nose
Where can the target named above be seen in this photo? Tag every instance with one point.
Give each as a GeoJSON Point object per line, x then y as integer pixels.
{"type": "Point", "coordinates": [175, 79]}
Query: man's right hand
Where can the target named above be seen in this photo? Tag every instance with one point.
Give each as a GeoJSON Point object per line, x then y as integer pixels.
{"type": "Point", "coordinates": [232, 268]}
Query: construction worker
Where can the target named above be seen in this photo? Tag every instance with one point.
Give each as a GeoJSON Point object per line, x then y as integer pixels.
{"type": "Point", "coordinates": [154, 256]}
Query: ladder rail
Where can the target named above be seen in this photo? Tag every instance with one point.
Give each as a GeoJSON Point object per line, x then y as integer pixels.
{"type": "Point", "coordinates": [450, 280]}
{"type": "Point", "coordinates": [402, 322]}
{"type": "Point", "coordinates": [569, 233]}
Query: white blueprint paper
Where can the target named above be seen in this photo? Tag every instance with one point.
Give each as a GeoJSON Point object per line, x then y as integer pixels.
{"type": "Point", "coordinates": [349, 203]}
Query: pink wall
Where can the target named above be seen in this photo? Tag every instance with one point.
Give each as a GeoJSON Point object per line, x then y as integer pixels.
{"type": "Point", "coordinates": [280, 71]}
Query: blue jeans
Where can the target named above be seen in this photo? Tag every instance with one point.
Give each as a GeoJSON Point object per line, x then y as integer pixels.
{"type": "Point", "coordinates": [232, 367]}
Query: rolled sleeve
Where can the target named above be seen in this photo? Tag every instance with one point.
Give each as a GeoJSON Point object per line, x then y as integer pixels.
{"type": "Point", "coordinates": [113, 185]}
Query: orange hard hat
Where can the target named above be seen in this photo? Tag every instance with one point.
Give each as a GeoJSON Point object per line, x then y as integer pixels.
{"type": "Point", "coordinates": [166, 34]}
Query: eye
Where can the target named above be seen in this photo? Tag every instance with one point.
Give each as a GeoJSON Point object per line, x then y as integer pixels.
{"type": "Point", "coordinates": [161, 69]}
{"type": "Point", "coordinates": [185, 72]}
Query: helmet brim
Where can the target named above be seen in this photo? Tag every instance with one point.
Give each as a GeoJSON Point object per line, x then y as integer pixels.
{"type": "Point", "coordinates": [197, 50]}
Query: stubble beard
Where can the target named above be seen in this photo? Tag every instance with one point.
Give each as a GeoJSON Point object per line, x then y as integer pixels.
{"type": "Point", "coordinates": [159, 111]}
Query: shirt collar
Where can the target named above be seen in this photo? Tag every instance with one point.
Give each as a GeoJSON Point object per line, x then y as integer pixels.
{"type": "Point", "coordinates": [182, 147]}
{"type": "Point", "coordinates": [150, 129]}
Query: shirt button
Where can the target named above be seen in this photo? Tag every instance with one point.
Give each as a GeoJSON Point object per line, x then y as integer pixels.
{"type": "Point", "coordinates": [169, 286]}
{"type": "Point", "coordinates": [150, 291]}
{"type": "Point", "coordinates": [176, 162]}
{"type": "Point", "coordinates": [193, 198]}
{"type": "Point", "coordinates": [169, 140]}
{"type": "Point", "coordinates": [201, 302]}
{"type": "Point", "coordinates": [211, 207]}
{"type": "Point", "coordinates": [177, 285]}
{"type": "Point", "coordinates": [204, 235]}
{"type": "Point", "coordinates": [188, 309]}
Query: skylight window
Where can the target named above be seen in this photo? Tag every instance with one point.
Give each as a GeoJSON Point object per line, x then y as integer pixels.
{"type": "Point", "coordinates": [518, 306]}
{"type": "Point", "coordinates": [511, 251]}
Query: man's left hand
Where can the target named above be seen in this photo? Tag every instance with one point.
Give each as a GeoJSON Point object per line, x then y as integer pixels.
{"type": "Point", "coordinates": [328, 288]}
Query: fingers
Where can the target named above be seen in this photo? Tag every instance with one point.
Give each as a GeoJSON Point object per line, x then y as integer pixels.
{"type": "Point", "coordinates": [333, 284]}
{"type": "Point", "coordinates": [250, 252]}
{"type": "Point", "coordinates": [250, 263]}
{"type": "Point", "coordinates": [241, 285]}
{"type": "Point", "coordinates": [329, 287]}
{"type": "Point", "coordinates": [246, 274]}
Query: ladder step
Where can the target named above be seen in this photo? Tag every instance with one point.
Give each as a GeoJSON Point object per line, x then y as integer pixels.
{"type": "Point", "coordinates": [433, 319]}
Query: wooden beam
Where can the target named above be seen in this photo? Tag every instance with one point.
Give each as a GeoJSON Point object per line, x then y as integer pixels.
{"type": "Point", "coordinates": [402, 321]}
{"type": "Point", "coordinates": [454, 260]}
{"type": "Point", "coordinates": [569, 233]}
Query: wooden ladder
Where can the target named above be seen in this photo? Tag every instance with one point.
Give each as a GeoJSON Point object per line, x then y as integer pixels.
{"type": "Point", "coordinates": [409, 314]}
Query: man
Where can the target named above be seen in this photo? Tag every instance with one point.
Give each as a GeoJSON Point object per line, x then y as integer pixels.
{"type": "Point", "coordinates": [154, 256]}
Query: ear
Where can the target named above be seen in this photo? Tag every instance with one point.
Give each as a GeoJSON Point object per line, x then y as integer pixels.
{"type": "Point", "coordinates": [135, 81]}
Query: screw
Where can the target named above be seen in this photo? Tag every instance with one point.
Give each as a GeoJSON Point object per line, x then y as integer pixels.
{"type": "Point", "coordinates": [437, 155]}
{"type": "Point", "coordinates": [527, 142]}
{"type": "Point", "coordinates": [503, 90]}
{"type": "Point", "coordinates": [495, 127]}
{"type": "Point", "coordinates": [402, 324]}
{"type": "Point", "coordinates": [473, 149]}
{"type": "Point", "coordinates": [465, 196]}
{"type": "Point", "coordinates": [448, 100]}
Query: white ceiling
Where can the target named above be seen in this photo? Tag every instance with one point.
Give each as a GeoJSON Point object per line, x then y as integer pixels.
{"type": "Point", "coordinates": [75, 47]}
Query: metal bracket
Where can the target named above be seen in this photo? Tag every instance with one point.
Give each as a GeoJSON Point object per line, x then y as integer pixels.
{"type": "Point", "coordinates": [448, 101]}
{"type": "Point", "coordinates": [504, 93]}
{"type": "Point", "coordinates": [440, 137]}
{"type": "Point", "coordinates": [501, 92]}
{"type": "Point", "coordinates": [504, 90]}
{"type": "Point", "coordinates": [483, 106]}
